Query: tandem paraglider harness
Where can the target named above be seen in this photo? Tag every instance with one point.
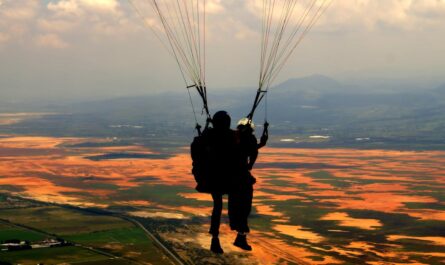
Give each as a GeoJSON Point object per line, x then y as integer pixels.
{"type": "Point", "coordinates": [208, 176]}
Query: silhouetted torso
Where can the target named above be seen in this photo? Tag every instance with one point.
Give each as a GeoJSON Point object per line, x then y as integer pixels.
{"type": "Point", "coordinates": [248, 153]}
{"type": "Point", "coordinates": [221, 160]}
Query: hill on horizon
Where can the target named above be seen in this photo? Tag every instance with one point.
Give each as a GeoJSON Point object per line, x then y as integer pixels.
{"type": "Point", "coordinates": [310, 105]}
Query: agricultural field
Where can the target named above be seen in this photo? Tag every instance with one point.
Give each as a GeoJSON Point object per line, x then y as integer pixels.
{"type": "Point", "coordinates": [59, 221]}
{"type": "Point", "coordinates": [311, 206]}
{"type": "Point", "coordinates": [93, 238]}
{"type": "Point", "coordinates": [55, 256]}
{"type": "Point", "coordinates": [8, 231]}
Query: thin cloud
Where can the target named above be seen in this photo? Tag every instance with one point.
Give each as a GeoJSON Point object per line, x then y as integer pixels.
{"type": "Point", "coordinates": [52, 41]}
{"type": "Point", "coordinates": [81, 7]}
{"type": "Point", "coordinates": [16, 17]}
{"type": "Point", "coordinates": [19, 10]}
{"type": "Point", "coordinates": [374, 15]}
{"type": "Point", "coordinates": [55, 25]}
{"type": "Point", "coordinates": [65, 8]}
{"type": "Point", "coordinates": [214, 6]}
{"type": "Point", "coordinates": [350, 39]}
{"type": "Point", "coordinates": [4, 37]}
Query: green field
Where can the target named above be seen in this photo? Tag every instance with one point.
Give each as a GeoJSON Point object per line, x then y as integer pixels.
{"type": "Point", "coordinates": [97, 237]}
{"type": "Point", "coordinates": [131, 241]}
{"type": "Point", "coordinates": [56, 220]}
{"type": "Point", "coordinates": [53, 256]}
{"type": "Point", "coordinates": [12, 232]}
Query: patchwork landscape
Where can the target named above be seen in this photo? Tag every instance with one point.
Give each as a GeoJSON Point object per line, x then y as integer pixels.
{"type": "Point", "coordinates": [101, 99]}
{"type": "Point", "coordinates": [111, 201]}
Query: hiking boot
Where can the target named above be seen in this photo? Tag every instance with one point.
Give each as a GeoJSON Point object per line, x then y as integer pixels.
{"type": "Point", "coordinates": [241, 242]}
{"type": "Point", "coordinates": [215, 247]}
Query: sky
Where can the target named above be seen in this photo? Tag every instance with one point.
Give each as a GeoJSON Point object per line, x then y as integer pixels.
{"type": "Point", "coordinates": [101, 49]}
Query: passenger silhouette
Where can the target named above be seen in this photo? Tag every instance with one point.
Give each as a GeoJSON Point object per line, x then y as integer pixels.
{"type": "Point", "coordinates": [240, 198]}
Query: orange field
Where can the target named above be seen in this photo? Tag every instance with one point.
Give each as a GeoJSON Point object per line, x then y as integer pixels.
{"type": "Point", "coordinates": [315, 206]}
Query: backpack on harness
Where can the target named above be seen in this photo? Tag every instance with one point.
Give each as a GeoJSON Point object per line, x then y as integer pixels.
{"type": "Point", "coordinates": [200, 164]}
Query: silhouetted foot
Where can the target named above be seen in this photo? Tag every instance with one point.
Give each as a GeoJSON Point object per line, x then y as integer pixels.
{"type": "Point", "coordinates": [215, 247]}
{"type": "Point", "coordinates": [241, 242]}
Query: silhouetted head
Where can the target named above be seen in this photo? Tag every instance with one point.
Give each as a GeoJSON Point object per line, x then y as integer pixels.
{"type": "Point", "coordinates": [221, 120]}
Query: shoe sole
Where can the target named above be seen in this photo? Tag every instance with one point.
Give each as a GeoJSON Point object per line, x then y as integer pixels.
{"type": "Point", "coordinates": [247, 249]}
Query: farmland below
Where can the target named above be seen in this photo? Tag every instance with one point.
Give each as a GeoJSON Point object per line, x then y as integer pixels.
{"type": "Point", "coordinates": [311, 206]}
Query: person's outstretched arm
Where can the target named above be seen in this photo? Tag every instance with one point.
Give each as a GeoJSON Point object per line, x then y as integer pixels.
{"type": "Point", "coordinates": [264, 136]}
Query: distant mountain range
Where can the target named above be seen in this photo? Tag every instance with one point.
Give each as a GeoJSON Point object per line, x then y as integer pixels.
{"type": "Point", "coordinates": [310, 105]}
{"type": "Point", "coordinates": [318, 101]}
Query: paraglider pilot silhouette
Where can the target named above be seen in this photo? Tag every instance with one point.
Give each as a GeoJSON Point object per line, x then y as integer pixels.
{"type": "Point", "coordinates": [222, 160]}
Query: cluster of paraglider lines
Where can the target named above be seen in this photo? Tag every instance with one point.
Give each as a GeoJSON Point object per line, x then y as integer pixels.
{"type": "Point", "coordinates": [279, 42]}
{"type": "Point", "coordinates": [181, 27]}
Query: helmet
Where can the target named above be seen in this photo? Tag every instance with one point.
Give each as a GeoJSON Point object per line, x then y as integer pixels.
{"type": "Point", "coordinates": [246, 122]}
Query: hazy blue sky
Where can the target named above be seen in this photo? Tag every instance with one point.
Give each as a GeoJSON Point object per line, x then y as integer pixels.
{"type": "Point", "coordinates": [74, 48]}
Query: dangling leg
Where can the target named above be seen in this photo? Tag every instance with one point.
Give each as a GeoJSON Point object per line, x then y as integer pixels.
{"type": "Point", "coordinates": [234, 210]}
{"type": "Point", "coordinates": [215, 223]}
{"type": "Point", "coordinates": [245, 206]}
